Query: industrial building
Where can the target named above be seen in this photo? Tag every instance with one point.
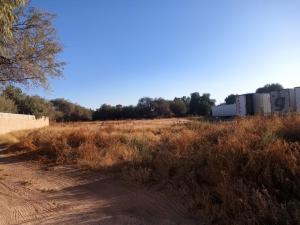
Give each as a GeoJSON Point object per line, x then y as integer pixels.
{"type": "Point", "coordinates": [277, 102]}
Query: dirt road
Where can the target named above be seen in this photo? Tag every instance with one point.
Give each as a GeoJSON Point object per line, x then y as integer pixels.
{"type": "Point", "coordinates": [64, 195]}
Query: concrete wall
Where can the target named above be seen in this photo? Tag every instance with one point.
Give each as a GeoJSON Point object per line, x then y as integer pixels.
{"type": "Point", "coordinates": [14, 122]}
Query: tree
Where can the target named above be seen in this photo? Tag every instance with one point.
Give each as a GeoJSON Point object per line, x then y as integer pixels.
{"type": "Point", "coordinates": [230, 99]}
{"type": "Point", "coordinates": [129, 112]}
{"type": "Point", "coordinates": [25, 104]}
{"type": "Point", "coordinates": [29, 57]}
{"type": "Point", "coordinates": [37, 106]}
{"type": "Point", "coordinates": [7, 105]}
{"type": "Point", "coordinates": [201, 105]}
{"type": "Point", "coordinates": [7, 19]}
{"type": "Point", "coordinates": [161, 108]}
{"type": "Point", "coordinates": [105, 112]}
{"type": "Point", "coordinates": [269, 88]}
{"type": "Point", "coordinates": [205, 105]}
{"type": "Point", "coordinates": [178, 107]}
{"type": "Point", "coordinates": [16, 95]}
{"type": "Point", "coordinates": [145, 107]}
{"type": "Point", "coordinates": [68, 111]}
{"type": "Point", "coordinates": [57, 109]}
{"type": "Point", "coordinates": [13, 93]}
{"type": "Point", "coordinates": [194, 103]}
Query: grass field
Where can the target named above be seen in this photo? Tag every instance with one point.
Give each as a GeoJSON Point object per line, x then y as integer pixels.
{"type": "Point", "coordinates": [245, 171]}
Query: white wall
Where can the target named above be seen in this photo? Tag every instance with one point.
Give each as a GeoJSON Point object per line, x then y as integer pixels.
{"type": "Point", "coordinates": [224, 110]}
{"type": "Point", "coordinates": [14, 122]}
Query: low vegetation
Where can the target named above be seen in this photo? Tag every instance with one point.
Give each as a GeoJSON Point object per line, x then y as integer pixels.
{"type": "Point", "coordinates": [245, 171]}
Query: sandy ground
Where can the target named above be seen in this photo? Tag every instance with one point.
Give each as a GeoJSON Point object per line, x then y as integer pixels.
{"type": "Point", "coordinates": [64, 195]}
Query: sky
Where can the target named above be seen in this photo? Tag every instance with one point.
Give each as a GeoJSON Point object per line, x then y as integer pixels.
{"type": "Point", "coordinates": [118, 51]}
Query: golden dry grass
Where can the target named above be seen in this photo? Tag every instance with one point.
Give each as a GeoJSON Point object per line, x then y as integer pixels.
{"type": "Point", "coordinates": [13, 137]}
{"type": "Point", "coordinates": [245, 171]}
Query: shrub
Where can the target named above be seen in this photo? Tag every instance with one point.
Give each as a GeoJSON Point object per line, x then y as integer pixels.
{"type": "Point", "coordinates": [7, 105]}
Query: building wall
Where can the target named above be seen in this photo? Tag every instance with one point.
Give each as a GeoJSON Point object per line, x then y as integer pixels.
{"type": "Point", "coordinates": [280, 101]}
{"type": "Point", "coordinates": [241, 105]}
{"type": "Point", "coordinates": [224, 110]}
{"type": "Point", "coordinates": [14, 122]}
{"type": "Point", "coordinates": [262, 104]}
{"type": "Point", "coordinates": [297, 92]}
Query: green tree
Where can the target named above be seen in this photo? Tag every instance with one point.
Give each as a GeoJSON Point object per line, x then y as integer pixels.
{"type": "Point", "coordinates": [7, 105]}
{"type": "Point", "coordinates": [129, 112]}
{"type": "Point", "coordinates": [230, 99]}
{"type": "Point", "coordinates": [194, 103]}
{"type": "Point", "coordinates": [178, 107]}
{"type": "Point", "coordinates": [16, 95]}
{"type": "Point", "coordinates": [145, 107]}
{"type": "Point", "coordinates": [68, 111]}
{"type": "Point", "coordinates": [108, 112]}
{"type": "Point", "coordinates": [161, 108]}
{"type": "Point", "coordinates": [105, 112]}
{"type": "Point", "coordinates": [35, 105]}
{"type": "Point", "coordinates": [206, 104]}
{"type": "Point", "coordinates": [32, 105]}
{"type": "Point", "coordinates": [30, 55]}
{"type": "Point", "coordinates": [269, 88]}
{"type": "Point", "coordinates": [201, 105]}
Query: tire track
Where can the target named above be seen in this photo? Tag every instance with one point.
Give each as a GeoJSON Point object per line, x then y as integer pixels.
{"type": "Point", "coordinates": [64, 195]}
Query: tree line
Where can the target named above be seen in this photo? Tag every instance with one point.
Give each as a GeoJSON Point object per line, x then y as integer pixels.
{"type": "Point", "coordinates": [14, 100]}
{"type": "Point", "coordinates": [150, 108]}
{"type": "Point", "coordinates": [195, 104]}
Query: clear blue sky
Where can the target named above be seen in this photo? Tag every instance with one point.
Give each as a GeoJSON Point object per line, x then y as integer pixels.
{"type": "Point", "coordinates": [120, 50]}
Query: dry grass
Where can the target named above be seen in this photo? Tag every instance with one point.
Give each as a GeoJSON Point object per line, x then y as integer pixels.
{"type": "Point", "coordinates": [240, 172]}
{"type": "Point", "coordinates": [12, 138]}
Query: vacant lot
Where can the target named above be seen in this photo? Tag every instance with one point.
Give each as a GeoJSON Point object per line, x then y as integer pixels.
{"type": "Point", "coordinates": [244, 171]}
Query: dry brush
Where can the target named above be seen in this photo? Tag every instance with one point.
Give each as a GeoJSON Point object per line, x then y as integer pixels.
{"type": "Point", "coordinates": [245, 171]}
